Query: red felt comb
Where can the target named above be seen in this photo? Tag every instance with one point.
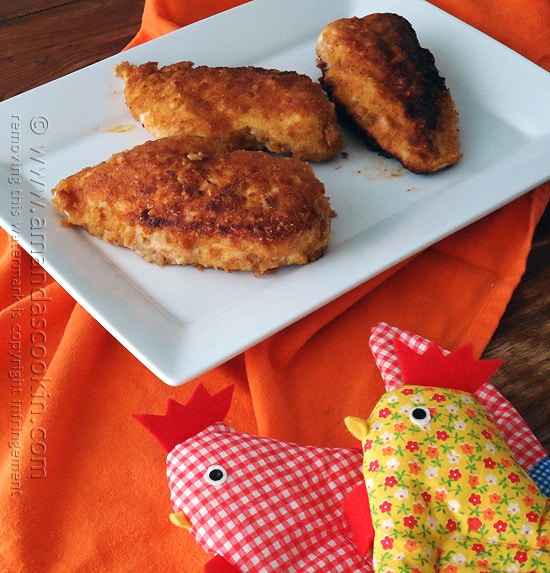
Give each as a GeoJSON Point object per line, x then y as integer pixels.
{"type": "Point", "coordinates": [457, 370]}
{"type": "Point", "coordinates": [181, 421]}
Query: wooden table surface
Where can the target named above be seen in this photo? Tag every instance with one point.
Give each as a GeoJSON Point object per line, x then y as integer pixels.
{"type": "Point", "coordinates": [44, 39]}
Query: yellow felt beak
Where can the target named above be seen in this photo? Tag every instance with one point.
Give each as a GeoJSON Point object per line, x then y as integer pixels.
{"type": "Point", "coordinates": [357, 426]}
{"type": "Point", "coordinates": [180, 519]}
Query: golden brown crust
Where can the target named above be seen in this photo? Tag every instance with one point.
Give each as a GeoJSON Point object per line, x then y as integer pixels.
{"type": "Point", "coordinates": [187, 200]}
{"type": "Point", "coordinates": [245, 107]}
{"type": "Point", "coordinates": [389, 87]}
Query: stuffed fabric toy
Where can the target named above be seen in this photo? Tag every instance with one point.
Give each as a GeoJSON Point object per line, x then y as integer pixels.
{"type": "Point", "coordinates": [527, 449]}
{"type": "Point", "coordinates": [256, 504]}
{"type": "Point", "coordinates": [445, 492]}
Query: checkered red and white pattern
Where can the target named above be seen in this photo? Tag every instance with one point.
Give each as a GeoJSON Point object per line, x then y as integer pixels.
{"type": "Point", "coordinates": [280, 507]}
{"type": "Point", "coordinates": [526, 448]}
{"type": "Point", "coordinates": [383, 350]}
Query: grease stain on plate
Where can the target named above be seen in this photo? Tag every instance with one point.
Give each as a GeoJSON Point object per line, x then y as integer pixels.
{"type": "Point", "coordinates": [121, 128]}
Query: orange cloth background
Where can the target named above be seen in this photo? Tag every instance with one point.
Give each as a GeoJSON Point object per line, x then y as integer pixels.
{"type": "Point", "coordinates": [82, 485]}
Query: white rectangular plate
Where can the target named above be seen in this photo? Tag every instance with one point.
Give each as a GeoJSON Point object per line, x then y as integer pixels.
{"type": "Point", "coordinates": [181, 322]}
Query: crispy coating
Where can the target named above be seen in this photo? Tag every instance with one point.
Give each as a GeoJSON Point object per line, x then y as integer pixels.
{"type": "Point", "coordinates": [389, 88]}
{"type": "Point", "coordinates": [245, 107]}
{"type": "Point", "coordinates": [186, 200]}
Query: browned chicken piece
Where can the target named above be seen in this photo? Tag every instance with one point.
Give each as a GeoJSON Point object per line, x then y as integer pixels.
{"type": "Point", "coordinates": [245, 107]}
{"type": "Point", "coordinates": [389, 88]}
{"type": "Point", "coordinates": [187, 200]}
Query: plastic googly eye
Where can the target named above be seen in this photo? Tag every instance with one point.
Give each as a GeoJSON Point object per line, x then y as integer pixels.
{"type": "Point", "coordinates": [216, 475]}
{"type": "Point", "coordinates": [420, 415]}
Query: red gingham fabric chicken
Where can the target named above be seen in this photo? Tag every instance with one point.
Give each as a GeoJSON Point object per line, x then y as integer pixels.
{"type": "Point", "coordinates": [256, 503]}
{"type": "Point", "coordinates": [259, 505]}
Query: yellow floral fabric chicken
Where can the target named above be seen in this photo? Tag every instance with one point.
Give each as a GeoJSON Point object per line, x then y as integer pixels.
{"type": "Point", "coordinates": [445, 493]}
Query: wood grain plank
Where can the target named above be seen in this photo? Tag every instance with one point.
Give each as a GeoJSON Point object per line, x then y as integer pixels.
{"type": "Point", "coordinates": [32, 53]}
{"type": "Point", "coordinates": [522, 340]}
{"type": "Point", "coordinates": [21, 8]}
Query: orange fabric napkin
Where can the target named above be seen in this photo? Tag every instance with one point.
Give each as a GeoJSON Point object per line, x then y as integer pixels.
{"type": "Point", "coordinates": [82, 486]}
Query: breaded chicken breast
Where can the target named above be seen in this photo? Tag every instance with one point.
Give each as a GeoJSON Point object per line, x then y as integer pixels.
{"type": "Point", "coordinates": [245, 107]}
{"type": "Point", "coordinates": [389, 88]}
{"type": "Point", "coordinates": [187, 200]}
